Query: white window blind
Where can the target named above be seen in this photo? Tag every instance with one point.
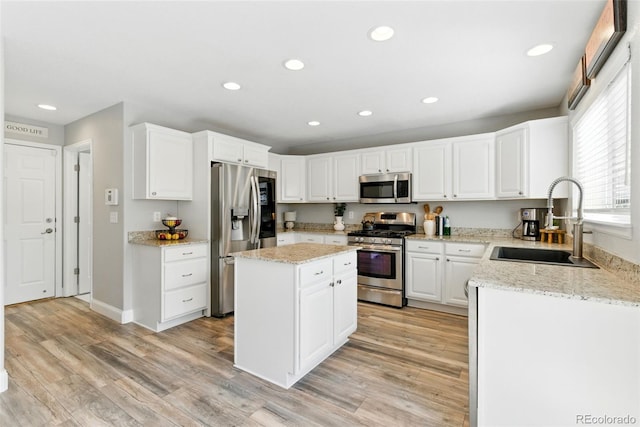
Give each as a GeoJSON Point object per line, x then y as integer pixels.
{"type": "Point", "coordinates": [602, 153]}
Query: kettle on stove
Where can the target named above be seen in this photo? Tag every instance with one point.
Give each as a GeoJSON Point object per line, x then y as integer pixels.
{"type": "Point", "coordinates": [367, 222]}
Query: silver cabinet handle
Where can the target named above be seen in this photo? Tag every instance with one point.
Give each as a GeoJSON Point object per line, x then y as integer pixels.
{"type": "Point", "coordinates": [187, 253]}
{"type": "Point", "coordinates": [466, 289]}
{"type": "Point", "coordinates": [47, 231]}
{"type": "Point", "coordinates": [187, 300]}
{"type": "Point", "coordinates": [347, 263]}
{"type": "Point", "coordinates": [464, 250]}
{"type": "Point", "coordinates": [339, 281]}
{"type": "Point", "coordinates": [319, 273]}
{"type": "Point", "coordinates": [187, 275]}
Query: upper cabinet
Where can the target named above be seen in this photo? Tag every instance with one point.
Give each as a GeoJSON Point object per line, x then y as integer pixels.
{"type": "Point", "coordinates": [474, 167]}
{"type": "Point", "coordinates": [292, 179]}
{"type": "Point", "coordinates": [454, 169]}
{"type": "Point", "coordinates": [385, 159]}
{"type": "Point", "coordinates": [229, 149]}
{"type": "Point", "coordinates": [162, 163]}
{"type": "Point", "coordinates": [333, 178]}
{"type": "Point", "coordinates": [530, 156]}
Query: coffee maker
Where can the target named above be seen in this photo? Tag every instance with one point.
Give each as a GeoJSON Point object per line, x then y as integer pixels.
{"type": "Point", "coordinates": [532, 220]}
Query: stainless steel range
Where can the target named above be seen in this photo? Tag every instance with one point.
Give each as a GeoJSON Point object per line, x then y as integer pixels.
{"type": "Point", "coordinates": [381, 259]}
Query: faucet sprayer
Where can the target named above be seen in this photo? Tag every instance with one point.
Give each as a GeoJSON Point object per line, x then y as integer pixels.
{"type": "Point", "coordinates": [577, 226]}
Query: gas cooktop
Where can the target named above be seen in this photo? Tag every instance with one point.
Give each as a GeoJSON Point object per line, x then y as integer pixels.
{"type": "Point", "coordinates": [381, 233]}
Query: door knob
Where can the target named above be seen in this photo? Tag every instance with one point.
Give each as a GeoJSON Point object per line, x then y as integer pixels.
{"type": "Point", "coordinates": [47, 231]}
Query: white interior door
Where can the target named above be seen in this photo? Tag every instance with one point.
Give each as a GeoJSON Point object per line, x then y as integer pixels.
{"type": "Point", "coordinates": [84, 225]}
{"type": "Point", "coordinates": [30, 223]}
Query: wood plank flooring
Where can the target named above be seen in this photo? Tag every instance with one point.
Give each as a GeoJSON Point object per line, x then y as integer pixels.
{"type": "Point", "coordinates": [70, 366]}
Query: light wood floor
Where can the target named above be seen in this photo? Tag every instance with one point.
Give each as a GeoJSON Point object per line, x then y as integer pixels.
{"type": "Point", "coordinates": [70, 366]}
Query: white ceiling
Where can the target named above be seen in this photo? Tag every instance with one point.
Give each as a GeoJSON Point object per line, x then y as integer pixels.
{"type": "Point", "coordinates": [86, 56]}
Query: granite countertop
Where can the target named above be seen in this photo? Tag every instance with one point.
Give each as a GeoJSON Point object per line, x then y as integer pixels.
{"type": "Point", "coordinates": [298, 253]}
{"type": "Point", "coordinates": [553, 280]}
{"type": "Point", "coordinates": [161, 243]}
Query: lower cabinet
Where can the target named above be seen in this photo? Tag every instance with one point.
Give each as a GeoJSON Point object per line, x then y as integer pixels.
{"type": "Point", "coordinates": [170, 284]}
{"type": "Point", "coordinates": [290, 317]}
{"type": "Point", "coordinates": [291, 237]}
{"type": "Point", "coordinates": [437, 272]}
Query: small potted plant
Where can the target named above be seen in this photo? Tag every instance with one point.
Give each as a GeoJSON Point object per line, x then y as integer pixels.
{"type": "Point", "coordinates": [338, 211]}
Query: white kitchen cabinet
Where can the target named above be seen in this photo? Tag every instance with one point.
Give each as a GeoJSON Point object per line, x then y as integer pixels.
{"type": "Point", "coordinates": [292, 179]}
{"type": "Point", "coordinates": [335, 239]}
{"type": "Point", "coordinates": [454, 168]}
{"type": "Point", "coordinates": [285, 238]}
{"type": "Point", "coordinates": [171, 284]}
{"type": "Point", "coordinates": [530, 156]}
{"type": "Point", "coordinates": [229, 149]}
{"type": "Point", "coordinates": [552, 361]}
{"type": "Point", "coordinates": [474, 167]}
{"type": "Point", "coordinates": [290, 317]}
{"type": "Point", "coordinates": [346, 171]}
{"type": "Point", "coordinates": [385, 160]}
{"type": "Point", "coordinates": [162, 163]}
{"type": "Point", "coordinates": [424, 270]}
{"type": "Point", "coordinates": [460, 261]}
{"type": "Point", "coordinates": [302, 237]}
{"type": "Point", "coordinates": [333, 178]}
{"type": "Point", "coordinates": [319, 178]}
{"type": "Point", "coordinates": [432, 171]}
{"type": "Point", "coordinates": [437, 272]}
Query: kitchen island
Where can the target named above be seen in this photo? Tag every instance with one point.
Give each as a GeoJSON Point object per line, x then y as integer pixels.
{"type": "Point", "coordinates": [552, 345]}
{"type": "Point", "coordinates": [294, 306]}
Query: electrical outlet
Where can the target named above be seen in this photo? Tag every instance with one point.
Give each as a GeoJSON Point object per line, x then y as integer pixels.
{"type": "Point", "coordinates": [157, 217]}
{"type": "Point", "coordinates": [350, 214]}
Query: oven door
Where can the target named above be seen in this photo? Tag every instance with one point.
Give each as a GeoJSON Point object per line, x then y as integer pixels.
{"type": "Point", "coordinates": [380, 266]}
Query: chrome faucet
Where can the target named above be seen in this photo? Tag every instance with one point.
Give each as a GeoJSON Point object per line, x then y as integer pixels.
{"type": "Point", "coordinates": [577, 226]}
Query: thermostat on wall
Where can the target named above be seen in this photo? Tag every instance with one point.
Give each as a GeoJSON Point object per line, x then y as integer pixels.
{"type": "Point", "coordinates": [111, 196]}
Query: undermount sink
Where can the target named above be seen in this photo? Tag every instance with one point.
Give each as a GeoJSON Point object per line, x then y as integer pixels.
{"type": "Point", "coordinates": [539, 256]}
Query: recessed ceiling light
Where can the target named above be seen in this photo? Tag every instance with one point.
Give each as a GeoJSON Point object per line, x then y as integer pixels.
{"type": "Point", "coordinates": [47, 107]}
{"type": "Point", "coordinates": [540, 49]}
{"type": "Point", "coordinates": [313, 123]}
{"type": "Point", "coordinates": [294, 65]}
{"type": "Point", "coordinates": [381, 33]}
{"type": "Point", "coordinates": [365, 113]}
{"type": "Point", "coordinates": [231, 85]}
{"type": "Point", "coordinates": [430, 100]}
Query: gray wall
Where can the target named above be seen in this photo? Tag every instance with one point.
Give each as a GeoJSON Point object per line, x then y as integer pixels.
{"type": "Point", "coordinates": [105, 129]}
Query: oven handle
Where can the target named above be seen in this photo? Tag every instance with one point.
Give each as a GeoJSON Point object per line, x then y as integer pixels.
{"type": "Point", "coordinates": [395, 188]}
{"type": "Point", "coordinates": [373, 248]}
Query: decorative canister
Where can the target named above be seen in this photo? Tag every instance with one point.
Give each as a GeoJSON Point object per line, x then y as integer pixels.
{"type": "Point", "coordinates": [429, 227]}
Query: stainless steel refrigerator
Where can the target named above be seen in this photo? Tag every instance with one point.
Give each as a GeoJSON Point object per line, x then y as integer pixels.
{"type": "Point", "coordinates": [243, 216]}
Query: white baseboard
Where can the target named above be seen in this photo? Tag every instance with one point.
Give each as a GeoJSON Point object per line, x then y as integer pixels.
{"type": "Point", "coordinates": [4, 380]}
{"type": "Point", "coordinates": [111, 312]}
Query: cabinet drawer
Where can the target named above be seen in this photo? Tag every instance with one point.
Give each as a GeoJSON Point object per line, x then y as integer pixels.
{"type": "Point", "coordinates": [310, 238]}
{"type": "Point", "coordinates": [345, 262]}
{"type": "Point", "coordinates": [465, 249]}
{"type": "Point", "coordinates": [335, 240]}
{"type": "Point", "coordinates": [184, 252]}
{"type": "Point", "coordinates": [184, 301]}
{"type": "Point", "coordinates": [425, 246]}
{"type": "Point", "coordinates": [316, 271]}
{"type": "Point", "coordinates": [184, 273]}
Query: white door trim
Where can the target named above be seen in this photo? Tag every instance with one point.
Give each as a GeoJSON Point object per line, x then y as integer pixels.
{"type": "Point", "coordinates": [59, 225]}
{"type": "Point", "coordinates": [70, 207]}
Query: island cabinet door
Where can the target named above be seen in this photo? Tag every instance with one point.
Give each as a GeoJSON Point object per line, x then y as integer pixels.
{"type": "Point", "coordinates": [316, 323]}
{"type": "Point", "coordinates": [345, 306]}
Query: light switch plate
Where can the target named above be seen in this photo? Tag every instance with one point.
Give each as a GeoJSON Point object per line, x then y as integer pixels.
{"type": "Point", "coordinates": [113, 217]}
{"type": "Point", "coordinates": [157, 217]}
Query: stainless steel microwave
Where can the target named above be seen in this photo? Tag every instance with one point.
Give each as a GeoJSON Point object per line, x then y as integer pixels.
{"type": "Point", "coordinates": [386, 188]}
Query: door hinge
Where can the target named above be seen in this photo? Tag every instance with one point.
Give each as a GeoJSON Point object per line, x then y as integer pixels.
{"type": "Point", "coordinates": [76, 270]}
{"type": "Point", "coordinates": [76, 168]}
{"type": "Point", "coordinates": [76, 219]}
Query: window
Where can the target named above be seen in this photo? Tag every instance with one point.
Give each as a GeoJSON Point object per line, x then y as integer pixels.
{"type": "Point", "coordinates": [602, 153]}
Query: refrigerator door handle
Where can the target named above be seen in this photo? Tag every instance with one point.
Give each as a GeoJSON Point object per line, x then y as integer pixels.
{"type": "Point", "coordinates": [258, 212]}
{"type": "Point", "coordinates": [253, 238]}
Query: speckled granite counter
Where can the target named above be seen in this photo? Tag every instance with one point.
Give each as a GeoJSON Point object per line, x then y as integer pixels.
{"type": "Point", "coordinates": [552, 280]}
{"type": "Point", "coordinates": [160, 243]}
{"type": "Point", "coordinates": [298, 253]}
